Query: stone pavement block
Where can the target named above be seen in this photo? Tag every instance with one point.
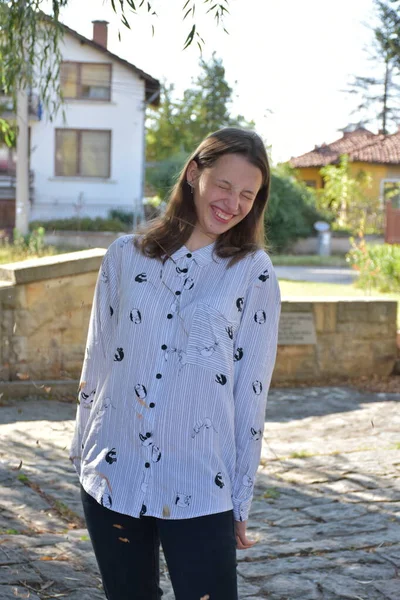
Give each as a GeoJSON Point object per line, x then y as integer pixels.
{"type": "Point", "coordinates": [16, 592]}
{"type": "Point", "coordinates": [9, 555]}
{"type": "Point", "coordinates": [390, 589]}
{"type": "Point", "coordinates": [290, 586]}
{"type": "Point", "coordinates": [345, 587]}
{"type": "Point", "coordinates": [87, 594]}
{"type": "Point", "coordinates": [15, 574]}
{"type": "Point", "coordinates": [68, 576]}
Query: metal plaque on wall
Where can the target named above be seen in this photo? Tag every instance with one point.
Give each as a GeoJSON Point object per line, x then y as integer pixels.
{"type": "Point", "coordinates": [296, 328]}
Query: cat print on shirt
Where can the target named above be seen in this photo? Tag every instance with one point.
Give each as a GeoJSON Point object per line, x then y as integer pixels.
{"type": "Point", "coordinates": [256, 434]}
{"type": "Point", "coordinates": [141, 277]}
{"type": "Point", "coordinates": [229, 331]}
{"type": "Point", "coordinates": [182, 272]}
{"type": "Point", "coordinates": [208, 350]}
{"type": "Point", "coordinates": [188, 283]}
{"type": "Point", "coordinates": [257, 387]}
{"type": "Point", "coordinates": [87, 399]}
{"type": "Point", "coordinates": [238, 354]}
{"type": "Point", "coordinates": [111, 456]}
{"type": "Point", "coordinates": [119, 355]}
{"type": "Point", "coordinates": [264, 275]}
{"type": "Point", "coordinates": [111, 311]}
{"type": "Point", "coordinates": [140, 391]}
{"type": "Point", "coordinates": [239, 304]}
{"type": "Point", "coordinates": [260, 317]}
{"type": "Point", "coordinates": [104, 276]}
{"type": "Point", "coordinates": [205, 423]}
{"type": "Point", "coordinates": [183, 500]}
{"type": "Point", "coordinates": [221, 378]}
{"type": "Point", "coordinates": [135, 316]}
{"type": "Point", "coordinates": [219, 480]}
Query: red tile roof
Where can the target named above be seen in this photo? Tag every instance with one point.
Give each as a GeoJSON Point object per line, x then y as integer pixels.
{"type": "Point", "coordinates": [361, 145]}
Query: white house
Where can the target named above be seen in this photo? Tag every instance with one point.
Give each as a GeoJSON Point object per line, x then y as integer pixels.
{"type": "Point", "coordinates": [93, 160]}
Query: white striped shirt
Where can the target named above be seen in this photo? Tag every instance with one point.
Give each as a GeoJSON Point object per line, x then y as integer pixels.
{"type": "Point", "coordinates": [174, 385]}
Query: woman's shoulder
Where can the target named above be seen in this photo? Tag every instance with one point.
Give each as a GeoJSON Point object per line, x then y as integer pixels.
{"type": "Point", "coordinates": [260, 262]}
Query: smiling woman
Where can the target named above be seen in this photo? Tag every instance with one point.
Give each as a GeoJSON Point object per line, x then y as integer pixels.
{"type": "Point", "coordinates": [180, 353]}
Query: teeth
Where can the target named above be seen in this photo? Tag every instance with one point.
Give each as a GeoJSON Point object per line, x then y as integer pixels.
{"type": "Point", "coordinates": [222, 215]}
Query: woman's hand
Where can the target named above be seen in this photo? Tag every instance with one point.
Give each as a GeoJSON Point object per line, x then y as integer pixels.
{"type": "Point", "coordinates": [242, 541]}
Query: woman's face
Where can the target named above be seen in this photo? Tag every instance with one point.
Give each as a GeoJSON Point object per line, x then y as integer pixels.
{"type": "Point", "coordinates": [223, 194]}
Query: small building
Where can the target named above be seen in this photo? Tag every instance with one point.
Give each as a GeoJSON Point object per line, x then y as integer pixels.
{"type": "Point", "coordinates": [377, 154]}
{"type": "Point", "coordinates": [92, 160]}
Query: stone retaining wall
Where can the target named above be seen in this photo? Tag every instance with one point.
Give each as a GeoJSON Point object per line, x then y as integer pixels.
{"type": "Point", "coordinates": [45, 306]}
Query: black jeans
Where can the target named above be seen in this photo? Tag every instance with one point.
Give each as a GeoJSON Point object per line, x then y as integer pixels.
{"type": "Point", "coordinates": [200, 554]}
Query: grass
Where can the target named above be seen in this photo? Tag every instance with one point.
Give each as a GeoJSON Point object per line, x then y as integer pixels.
{"type": "Point", "coordinates": [313, 290]}
{"type": "Point", "coordinates": [310, 260]}
{"type": "Point", "coordinates": [301, 454]}
{"type": "Point", "coordinates": [8, 254]}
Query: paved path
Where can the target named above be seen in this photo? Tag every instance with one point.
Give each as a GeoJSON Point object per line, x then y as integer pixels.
{"type": "Point", "coordinates": [326, 510]}
{"type": "Point", "coordinates": [317, 274]}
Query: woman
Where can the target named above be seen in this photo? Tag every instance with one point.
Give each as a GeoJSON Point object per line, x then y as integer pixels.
{"type": "Point", "coordinates": [181, 348]}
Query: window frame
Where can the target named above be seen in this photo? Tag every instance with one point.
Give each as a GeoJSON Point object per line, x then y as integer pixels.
{"type": "Point", "coordinates": [79, 80]}
{"type": "Point", "coordinates": [79, 152]}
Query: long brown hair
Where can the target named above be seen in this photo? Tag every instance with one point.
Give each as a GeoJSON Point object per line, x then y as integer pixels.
{"type": "Point", "coordinates": [163, 236]}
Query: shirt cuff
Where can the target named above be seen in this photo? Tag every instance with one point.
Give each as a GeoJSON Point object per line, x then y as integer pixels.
{"type": "Point", "coordinates": [241, 508]}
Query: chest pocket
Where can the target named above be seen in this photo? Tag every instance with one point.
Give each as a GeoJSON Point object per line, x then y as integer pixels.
{"type": "Point", "coordinates": [210, 343]}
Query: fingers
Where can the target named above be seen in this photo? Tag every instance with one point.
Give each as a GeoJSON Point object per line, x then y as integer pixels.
{"type": "Point", "coordinates": [243, 542]}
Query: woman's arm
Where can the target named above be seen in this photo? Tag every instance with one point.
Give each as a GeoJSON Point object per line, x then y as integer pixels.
{"type": "Point", "coordinates": [255, 353]}
{"type": "Point", "coordinates": [104, 316]}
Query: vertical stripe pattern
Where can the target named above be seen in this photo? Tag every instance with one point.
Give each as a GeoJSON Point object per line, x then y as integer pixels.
{"type": "Point", "coordinates": [174, 384]}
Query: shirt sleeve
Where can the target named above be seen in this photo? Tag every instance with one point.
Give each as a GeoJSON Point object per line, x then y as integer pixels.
{"type": "Point", "coordinates": [104, 315]}
{"type": "Point", "coordinates": [255, 354]}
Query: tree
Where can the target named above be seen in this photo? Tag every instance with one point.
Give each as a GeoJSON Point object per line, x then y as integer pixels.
{"type": "Point", "coordinates": [179, 125]}
{"type": "Point", "coordinates": [344, 196]}
{"type": "Point", "coordinates": [380, 94]}
{"type": "Point", "coordinates": [27, 33]}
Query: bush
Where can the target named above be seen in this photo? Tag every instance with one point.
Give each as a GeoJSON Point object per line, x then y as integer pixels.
{"type": "Point", "coordinates": [83, 224]}
{"type": "Point", "coordinates": [164, 175]}
{"type": "Point", "coordinates": [377, 264]}
{"type": "Point", "coordinates": [291, 212]}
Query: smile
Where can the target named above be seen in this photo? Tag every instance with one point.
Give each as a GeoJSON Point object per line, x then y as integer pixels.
{"type": "Point", "coordinates": [221, 216]}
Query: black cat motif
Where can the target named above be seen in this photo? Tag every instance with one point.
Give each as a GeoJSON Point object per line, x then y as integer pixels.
{"type": "Point", "coordinates": [141, 277]}
{"type": "Point", "coordinates": [111, 456]}
{"type": "Point", "coordinates": [119, 355]}
{"type": "Point", "coordinates": [220, 378]}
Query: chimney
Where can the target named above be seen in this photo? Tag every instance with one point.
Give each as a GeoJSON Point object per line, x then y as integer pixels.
{"type": "Point", "coordinates": [100, 32]}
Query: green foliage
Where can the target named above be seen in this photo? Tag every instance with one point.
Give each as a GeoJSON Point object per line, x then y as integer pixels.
{"type": "Point", "coordinates": [378, 92]}
{"type": "Point", "coordinates": [378, 265]}
{"type": "Point", "coordinates": [291, 211]}
{"type": "Point", "coordinates": [83, 224]}
{"type": "Point", "coordinates": [180, 124]}
{"type": "Point", "coordinates": [164, 175]}
{"type": "Point", "coordinates": [32, 244]}
{"type": "Point", "coordinates": [344, 196]}
{"type": "Point", "coordinates": [125, 217]}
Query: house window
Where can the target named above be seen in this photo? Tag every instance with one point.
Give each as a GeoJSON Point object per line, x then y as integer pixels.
{"type": "Point", "coordinates": [83, 153]}
{"type": "Point", "coordinates": [311, 183]}
{"type": "Point", "coordinates": [87, 81]}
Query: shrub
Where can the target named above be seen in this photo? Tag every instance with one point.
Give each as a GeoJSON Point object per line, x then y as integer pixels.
{"type": "Point", "coordinates": [291, 211]}
{"type": "Point", "coordinates": [163, 176]}
{"type": "Point", "coordinates": [83, 224]}
{"type": "Point", "coordinates": [377, 264]}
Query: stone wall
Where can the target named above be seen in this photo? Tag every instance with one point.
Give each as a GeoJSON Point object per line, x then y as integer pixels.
{"type": "Point", "coordinates": [45, 306]}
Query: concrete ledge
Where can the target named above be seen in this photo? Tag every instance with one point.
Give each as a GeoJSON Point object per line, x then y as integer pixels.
{"type": "Point", "coordinates": [50, 390]}
{"type": "Point", "coordinates": [49, 267]}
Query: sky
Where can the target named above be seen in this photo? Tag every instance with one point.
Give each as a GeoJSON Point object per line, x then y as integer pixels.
{"type": "Point", "coordinates": [286, 60]}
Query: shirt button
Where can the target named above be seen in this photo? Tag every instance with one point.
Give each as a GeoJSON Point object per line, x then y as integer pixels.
{"type": "Point", "coordinates": [152, 405]}
{"type": "Point", "coordinates": [189, 255]}
{"type": "Point", "coordinates": [169, 316]}
{"type": "Point", "coordinates": [148, 434]}
{"type": "Point", "coordinates": [177, 293]}
{"type": "Point", "coordinates": [147, 465]}
{"type": "Point", "coordinates": [164, 347]}
{"type": "Point", "coordinates": [158, 375]}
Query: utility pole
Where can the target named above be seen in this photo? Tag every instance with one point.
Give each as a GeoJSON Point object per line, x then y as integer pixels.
{"type": "Point", "coordinates": [22, 174]}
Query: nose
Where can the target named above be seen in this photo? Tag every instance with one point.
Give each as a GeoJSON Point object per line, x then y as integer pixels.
{"type": "Point", "coordinates": [232, 201]}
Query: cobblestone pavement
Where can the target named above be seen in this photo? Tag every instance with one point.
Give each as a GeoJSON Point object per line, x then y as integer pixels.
{"type": "Point", "coordinates": [326, 509]}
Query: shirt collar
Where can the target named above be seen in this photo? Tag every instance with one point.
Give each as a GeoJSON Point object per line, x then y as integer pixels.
{"type": "Point", "coordinates": [202, 256]}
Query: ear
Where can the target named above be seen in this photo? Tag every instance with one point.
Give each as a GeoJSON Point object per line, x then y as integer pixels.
{"type": "Point", "coordinates": [192, 172]}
